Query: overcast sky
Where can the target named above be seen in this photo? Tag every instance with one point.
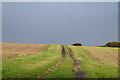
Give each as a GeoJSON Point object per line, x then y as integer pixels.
{"type": "Point", "coordinates": [90, 23]}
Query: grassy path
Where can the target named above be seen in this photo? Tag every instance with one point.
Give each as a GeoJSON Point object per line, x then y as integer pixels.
{"type": "Point", "coordinates": [69, 68]}
{"type": "Point", "coordinates": [65, 69]}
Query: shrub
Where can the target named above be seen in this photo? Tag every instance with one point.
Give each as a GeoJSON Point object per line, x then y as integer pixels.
{"type": "Point", "coordinates": [77, 44]}
{"type": "Point", "coordinates": [112, 44]}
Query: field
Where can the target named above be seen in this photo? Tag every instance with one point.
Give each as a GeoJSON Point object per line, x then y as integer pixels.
{"type": "Point", "coordinates": [58, 61]}
{"type": "Point", "coordinates": [17, 49]}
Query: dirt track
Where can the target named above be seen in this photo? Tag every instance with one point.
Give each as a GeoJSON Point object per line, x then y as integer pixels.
{"type": "Point", "coordinates": [63, 51]}
{"type": "Point", "coordinates": [77, 71]}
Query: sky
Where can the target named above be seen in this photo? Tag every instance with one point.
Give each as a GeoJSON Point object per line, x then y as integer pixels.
{"type": "Point", "coordinates": [0, 22]}
{"type": "Point", "coordinates": [118, 21]}
{"type": "Point", "coordinates": [89, 23]}
{"type": "Point", "coordinates": [60, 0]}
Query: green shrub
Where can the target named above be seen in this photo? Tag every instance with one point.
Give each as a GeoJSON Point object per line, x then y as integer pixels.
{"type": "Point", "coordinates": [112, 44]}
{"type": "Point", "coordinates": [77, 44]}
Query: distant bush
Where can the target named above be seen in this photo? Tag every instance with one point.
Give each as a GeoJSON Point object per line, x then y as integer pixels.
{"type": "Point", "coordinates": [112, 44]}
{"type": "Point", "coordinates": [99, 46]}
{"type": "Point", "coordinates": [77, 44]}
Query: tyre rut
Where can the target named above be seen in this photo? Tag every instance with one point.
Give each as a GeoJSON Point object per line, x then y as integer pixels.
{"type": "Point", "coordinates": [55, 66]}
{"type": "Point", "coordinates": [78, 73]}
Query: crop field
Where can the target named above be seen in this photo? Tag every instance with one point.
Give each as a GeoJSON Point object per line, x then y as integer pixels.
{"type": "Point", "coordinates": [17, 49]}
{"type": "Point", "coordinates": [58, 61]}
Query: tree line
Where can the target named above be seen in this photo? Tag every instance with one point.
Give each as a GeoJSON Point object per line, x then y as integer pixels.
{"type": "Point", "coordinates": [108, 44]}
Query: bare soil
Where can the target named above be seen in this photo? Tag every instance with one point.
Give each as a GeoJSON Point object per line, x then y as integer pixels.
{"type": "Point", "coordinates": [104, 56]}
{"type": "Point", "coordinates": [10, 50]}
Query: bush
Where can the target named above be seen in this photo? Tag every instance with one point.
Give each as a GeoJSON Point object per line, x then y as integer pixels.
{"type": "Point", "coordinates": [77, 44]}
{"type": "Point", "coordinates": [112, 44]}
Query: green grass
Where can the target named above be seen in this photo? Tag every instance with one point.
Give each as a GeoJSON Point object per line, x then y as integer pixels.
{"type": "Point", "coordinates": [111, 48]}
{"type": "Point", "coordinates": [31, 66]}
{"type": "Point", "coordinates": [64, 70]}
{"type": "Point", "coordinates": [92, 68]}
{"type": "Point", "coordinates": [0, 64]}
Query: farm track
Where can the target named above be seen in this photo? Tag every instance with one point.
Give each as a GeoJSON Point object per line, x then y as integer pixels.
{"type": "Point", "coordinates": [55, 66]}
{"type": "Point", "coordinates": [78, 73]}
{"type": "Point", "coordinates": [63, 51]}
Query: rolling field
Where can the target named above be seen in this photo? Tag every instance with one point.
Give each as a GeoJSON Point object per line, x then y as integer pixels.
{"type": "Point", "coordinates": [57, 61]}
